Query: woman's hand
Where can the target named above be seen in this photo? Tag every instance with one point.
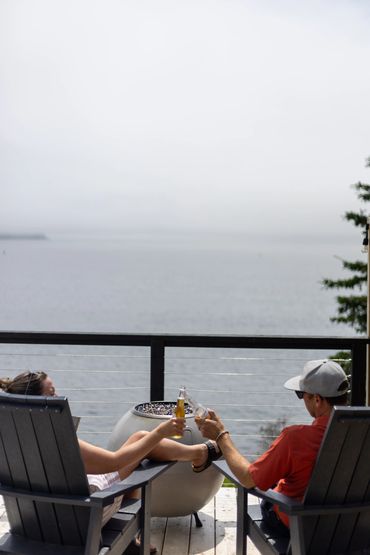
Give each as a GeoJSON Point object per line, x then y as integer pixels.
{"type": "Point", "coordinates": [210, 427]}
{"type": "Point", "coordinates": [173, 427]}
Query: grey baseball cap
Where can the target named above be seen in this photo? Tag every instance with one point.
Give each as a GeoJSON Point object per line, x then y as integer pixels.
{"type": "Point", "coordinates": [323, 377]}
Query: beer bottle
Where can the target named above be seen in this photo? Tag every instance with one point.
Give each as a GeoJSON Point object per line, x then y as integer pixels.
{"type": "Point", "coordinates": [180, 408]}
{"type": "Point", "coordinates": [198, 409]}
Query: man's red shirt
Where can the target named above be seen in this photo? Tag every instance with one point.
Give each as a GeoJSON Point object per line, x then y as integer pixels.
{"type": "Point", "coordinates": [287, 465]}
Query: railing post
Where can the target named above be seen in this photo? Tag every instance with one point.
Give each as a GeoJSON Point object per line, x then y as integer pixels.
{"type": "Point", "coordinates": [358, 382]}
{"type": "Point", "coordinates": [157, 369]}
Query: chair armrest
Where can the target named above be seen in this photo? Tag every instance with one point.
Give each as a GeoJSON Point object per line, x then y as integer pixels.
{"type": "Point", "coordinates": [289, 505]}
{"type": "Point", "coordinates": [108, 495]}
{"type": "Point", "coordinates": [284, 502]}
{"type": "Point", "coordinates": [293, 507]}
{"type": "Point", "coordinates": [142, 475]}
{"type": "Point", "coordinates": [224, 468]}
{"type": "Point", "coordinates": [147, 471]}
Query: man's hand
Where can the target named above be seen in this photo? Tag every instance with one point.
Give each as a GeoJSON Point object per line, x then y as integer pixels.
{"type": "Point", "coordinates": [211, 426]}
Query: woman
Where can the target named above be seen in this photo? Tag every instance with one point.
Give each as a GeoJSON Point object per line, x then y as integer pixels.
{"type": "Point", "coordinates": [103, 467]}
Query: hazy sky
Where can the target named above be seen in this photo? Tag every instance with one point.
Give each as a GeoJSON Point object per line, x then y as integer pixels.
{"type": "Point", "coordinates": [231, 115]}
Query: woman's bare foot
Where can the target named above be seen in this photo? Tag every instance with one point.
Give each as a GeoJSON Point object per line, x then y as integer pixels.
{"type": "Point", "coordinates": [152, 548]}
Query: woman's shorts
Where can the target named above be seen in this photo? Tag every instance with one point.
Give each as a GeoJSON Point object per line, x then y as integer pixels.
{"type": "Point", "coordinates": [99, 482]}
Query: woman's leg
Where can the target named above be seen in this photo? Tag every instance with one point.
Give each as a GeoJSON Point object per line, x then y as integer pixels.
{"type": "Point", "coordinates": [168, 450]}
{"type": "Point", "coordinates": [126, 470]}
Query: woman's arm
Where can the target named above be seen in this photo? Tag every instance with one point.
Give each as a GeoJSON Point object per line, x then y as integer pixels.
{"type": "Point", "coordinates": [99, 461]}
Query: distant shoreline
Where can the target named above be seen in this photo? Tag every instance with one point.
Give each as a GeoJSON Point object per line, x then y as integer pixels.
{"type": "Point", "coordinates": [22, 236]}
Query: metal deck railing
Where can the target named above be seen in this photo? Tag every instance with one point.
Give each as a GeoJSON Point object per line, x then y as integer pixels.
{"type": "Point", "coordinates": [240, 376]}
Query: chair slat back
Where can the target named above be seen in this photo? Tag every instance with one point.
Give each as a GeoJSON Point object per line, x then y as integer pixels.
{"type": "Point", "coordinates": [39, 452]}
{"type": "Point", "coordinates": [341, 476]}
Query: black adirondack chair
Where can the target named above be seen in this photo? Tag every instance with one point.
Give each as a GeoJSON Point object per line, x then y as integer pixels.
{"type": "Point", "coordinates": [334, 516]}
{"type": "Point", "coordinates": [45, 489]}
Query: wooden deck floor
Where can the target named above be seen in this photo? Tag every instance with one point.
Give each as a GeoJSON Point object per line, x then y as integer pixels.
{"type": "Point", "coordinates": [179, 536]}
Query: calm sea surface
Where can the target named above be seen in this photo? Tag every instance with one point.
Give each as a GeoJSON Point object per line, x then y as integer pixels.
{"type": "Point", "coordinates": [227, 284]}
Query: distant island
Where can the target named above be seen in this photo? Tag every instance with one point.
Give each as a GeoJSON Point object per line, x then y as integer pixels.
{"type": "Point", "coordinates": [22, 236]}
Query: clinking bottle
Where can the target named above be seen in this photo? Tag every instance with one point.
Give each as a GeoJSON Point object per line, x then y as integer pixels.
{"type": "Point", "coordinates": [198, 409]}
{"type": "Point", "coordinates": [180, 408]}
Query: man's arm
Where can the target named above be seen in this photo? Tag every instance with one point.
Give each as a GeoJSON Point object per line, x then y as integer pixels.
{"type": "Point", "coordinates": [212, 428]}
{"type": "Point", "coordinates": [238, 464]}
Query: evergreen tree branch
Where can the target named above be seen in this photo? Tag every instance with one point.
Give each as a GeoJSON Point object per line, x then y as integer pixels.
{"type": "Point", "coordinates": [352, 310]}
{"type": "Point", "coordinates": [359, 279]}
{"type": "Point", "coordinates": [359, 219]}
{"type": "Point", "coordinates": [355, 266]}
{"type": "Point", "coordinates": [350, 283]}
{"type": "Point", "coordinates": [363, 191]}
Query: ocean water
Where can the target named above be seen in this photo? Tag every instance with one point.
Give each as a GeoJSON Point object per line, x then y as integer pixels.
{"type": "Point", "coordinates": [171, 283]}
{"type": "Point", "coordinates": [180, 283]}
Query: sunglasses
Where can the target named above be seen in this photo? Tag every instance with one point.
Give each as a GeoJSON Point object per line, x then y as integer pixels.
{"type": "Point", "coordinates": [299, 394]}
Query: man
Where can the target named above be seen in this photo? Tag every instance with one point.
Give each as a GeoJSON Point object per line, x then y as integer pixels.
{"type": "Point", "coordinates": [287, 465]}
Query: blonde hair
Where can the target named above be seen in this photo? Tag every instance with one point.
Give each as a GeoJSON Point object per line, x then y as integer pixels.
{"type": "Point", "coordinates": [27, 383]}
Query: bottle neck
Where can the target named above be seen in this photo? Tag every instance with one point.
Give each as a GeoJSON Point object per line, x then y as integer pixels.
{"type": "Point", "coordinates": [182, 393]}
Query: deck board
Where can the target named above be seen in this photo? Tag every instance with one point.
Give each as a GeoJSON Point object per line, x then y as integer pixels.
{"type": "Point", "coordinates": [180, 536]}
{"type": "Point", "coordinates": [158, 532]}
{"type": "Point", "coordinates": [225, 524]}
{"type": "Point", "coordinates": [177, 535]}
{"type": "Point", "coordinates": [202, 540]}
